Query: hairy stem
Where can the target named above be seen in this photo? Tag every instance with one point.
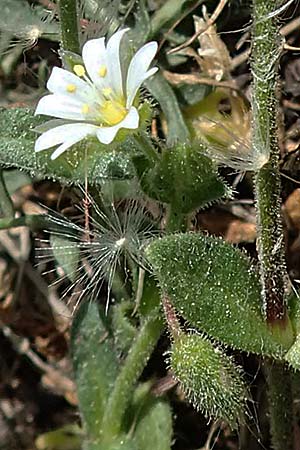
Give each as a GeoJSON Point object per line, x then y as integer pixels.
{"type": "Point", "coordinates": [280, 406]}
{"type": "Point", "coordinates": [171, 317]}
{"type": "Point", "coordinates": [69, 25]}
{"type": "Point", "coordinates": [175, 221]}
{"type": "Point", "coordinates": [6, 205]}
{"type": "Point", "coordinates": [266, 43]}
{"type": "Point", "coordinates": [266, 48]}
{"type": "Point", "coordinates": [134, 364]}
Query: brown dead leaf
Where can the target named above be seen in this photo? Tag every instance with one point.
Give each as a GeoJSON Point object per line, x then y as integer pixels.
{"type": "Point", "coordinates": [215, 58]}
{"type": "Point", "coordinates": [292, 207]}
{"type": "Point", "coordinates": [239, 231]}
{"type": "Point", "coordinates": [215, 221]}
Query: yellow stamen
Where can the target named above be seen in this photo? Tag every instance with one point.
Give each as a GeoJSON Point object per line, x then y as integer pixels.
{"type": "Point", "coordinates": [112, 112]}
{"type": "Point", "coordinates": [106, 91]}
{"type": "Point", "coordinates": [102, 71]}
{"type": "Point", "coordinates": [71, 88]}
{"type": "Point", "coordinates": [79, 70]}
{"type": "Point", "coordinates": [85, 109]}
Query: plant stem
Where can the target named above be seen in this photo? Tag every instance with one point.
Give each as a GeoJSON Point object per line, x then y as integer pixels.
{"type": "Point", "coordinates": [171, 317]}
{"type": "Point", "coordinates": [143, 143]}
{"type": "Point", "coordinates": [266, 47]}
{"type": "Point", "coordinates": [69, 25]}
{"type": "Point", "coordinates": [266, 44]}
{"type": "Point", "coordinates": [176, 221]}
{"type": "Point", "coordinates": [134, 364]}
{"type": "Point", "coordinates": [280, 406]}
{"type": "Point", "coordinates": [6, 205]}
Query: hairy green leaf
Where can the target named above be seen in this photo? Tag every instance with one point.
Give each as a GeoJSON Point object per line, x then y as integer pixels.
{"type": "Point", "coordinates": [95, 366]}
{"type": "Point", "coordinates": [154, 427]}
{"type": "Point", "coordinates": [17, 150]}
{"type": "Point", "coordinates": [214, 287]}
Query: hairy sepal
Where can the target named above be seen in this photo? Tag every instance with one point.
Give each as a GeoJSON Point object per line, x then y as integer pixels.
{"type": "Point", "coordinates": [182, 177]}
{"type": "Point", "coordinates": [209, 378]}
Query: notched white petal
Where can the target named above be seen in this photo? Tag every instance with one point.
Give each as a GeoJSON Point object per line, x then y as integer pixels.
{"type": "Point", "coordinates": [131, 121]}
{"type": "Point", "coordinates": [62, 148]}
{"type": "Point", "coordinates": [60, 106]}
{"type": "Point", "coordinates": [94, 56]}
{"type": "Point", "coordinates": [114, 73]}
{"type": "Point", "coordinates": [49, 125]}
{"type": "Point", "coordinates": [138, 70]}
{"type": "Point", "coordinates": [63, 82]}
{"type": "Point", "coordinates": [64, 134]}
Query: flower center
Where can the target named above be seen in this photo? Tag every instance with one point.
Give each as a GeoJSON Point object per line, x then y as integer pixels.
{"type": "Point", "coordinates": [112, 112]}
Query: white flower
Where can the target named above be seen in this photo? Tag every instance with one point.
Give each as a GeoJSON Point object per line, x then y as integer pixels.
{"type": "Point", "coordinates": [98, 98]}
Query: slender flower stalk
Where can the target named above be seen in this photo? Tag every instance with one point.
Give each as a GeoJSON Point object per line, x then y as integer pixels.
{"type": "Point", "coordinates": [132, 368]}
{"type": "Point", "coordinates": [98, 99]}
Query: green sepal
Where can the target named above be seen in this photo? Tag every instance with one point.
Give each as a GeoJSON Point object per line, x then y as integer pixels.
{"type": "Point", "coordinates": [70, 59]}
{"type": "Point", "coordinates": [17, 150]}
{"type": "Point", "coordinates": [214, 287]}
{"type": "Point", "coordinates": [209, 378]}
{"type": "Point", "coordinates": [182, 177]}
{"type": "Point", "coordinates": [95, 364]}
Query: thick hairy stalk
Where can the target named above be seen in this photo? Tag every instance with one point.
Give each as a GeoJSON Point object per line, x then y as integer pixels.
{"type": "Point", "coordinates": [266, 44]}
{"type": "Point", "coordinates": [69, 25]}
{"type": "Point", "coordinates": [280, 406]}
{"type": "Point", "coordinates": [266, 48]}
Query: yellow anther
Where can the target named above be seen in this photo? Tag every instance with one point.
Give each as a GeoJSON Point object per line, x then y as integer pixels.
{"type": "Point", "coordinates": [106, 91]}
{"type": "Point", "coordinates": [102, 71]}
{"type": "Point", "coordinates": [79, 70]}
{"type": "Point", "coordinates": [112, 112]}
{"type": "Point", "coordinates": [85, 109]}
{"type": "Point", "coordinates": [71, 88]}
